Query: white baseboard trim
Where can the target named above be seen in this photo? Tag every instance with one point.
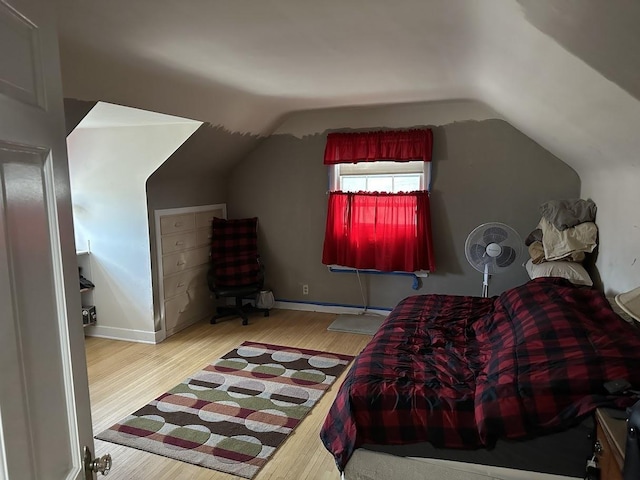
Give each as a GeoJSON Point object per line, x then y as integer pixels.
{"type": "Point", "coordinates": [315, 307]}
{"type": "Point", "coordinates": [115, 333]}
{"type": "Point", "coordinates": [161, 335]}
{"type": "Point", "coordinates": [142, 336]}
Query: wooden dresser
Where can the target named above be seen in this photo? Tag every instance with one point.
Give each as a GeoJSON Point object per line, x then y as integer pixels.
{"type": "Point", "coordinates": [183, 237]}
{"type": "Point", "coordinates": [611, 435]}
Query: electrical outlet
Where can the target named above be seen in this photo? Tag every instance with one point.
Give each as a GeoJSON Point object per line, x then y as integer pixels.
{"type": "Point", "coordinates": [305, 289]}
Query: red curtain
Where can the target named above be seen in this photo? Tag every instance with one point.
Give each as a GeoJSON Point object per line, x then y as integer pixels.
{"type": "Point", "coordinates": [399, 146]}
{"type": "Point", "coordinates": [381, 231]}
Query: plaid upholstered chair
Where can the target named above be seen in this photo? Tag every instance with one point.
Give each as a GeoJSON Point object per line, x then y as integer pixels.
{"type": "Point", "coordinates": [235, 270]}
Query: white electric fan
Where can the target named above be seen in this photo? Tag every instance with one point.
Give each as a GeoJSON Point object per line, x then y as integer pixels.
{"type": "Point", "coordinates": [492, 248]}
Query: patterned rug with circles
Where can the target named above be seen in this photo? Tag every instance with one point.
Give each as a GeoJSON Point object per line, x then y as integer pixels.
{"type": "Point", "coordinates": [232, 415]}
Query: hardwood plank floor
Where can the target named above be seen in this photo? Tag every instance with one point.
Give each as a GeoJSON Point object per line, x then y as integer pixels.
{"type": "Point", "coordinates": [124, 376]}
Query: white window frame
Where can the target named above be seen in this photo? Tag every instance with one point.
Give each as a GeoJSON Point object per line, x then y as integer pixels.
{"type": "Point", "coordinates": [334, 185]}
{"type": "Point", "coordinates": [425, 181]}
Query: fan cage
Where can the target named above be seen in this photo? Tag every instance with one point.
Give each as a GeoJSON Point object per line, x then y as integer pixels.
{"type": "Point", "coordinates": [505, 246]}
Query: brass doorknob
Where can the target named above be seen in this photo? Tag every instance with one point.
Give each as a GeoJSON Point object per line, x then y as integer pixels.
{"type": "Point", "coordinates": [99, 465]}
{"type": "Point", "coordinates": [102, 465]}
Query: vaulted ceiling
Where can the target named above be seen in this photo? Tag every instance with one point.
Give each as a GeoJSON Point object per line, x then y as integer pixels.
{"type": "Point", "coordinates": [566, 73]}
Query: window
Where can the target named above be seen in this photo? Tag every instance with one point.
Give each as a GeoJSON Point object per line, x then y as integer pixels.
{"type": "Point", "coordinates": [378, 214]}
{"type": "Point", "coordinates": [383, 176]}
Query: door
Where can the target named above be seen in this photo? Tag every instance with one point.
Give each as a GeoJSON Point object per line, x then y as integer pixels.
{"type": "Point", "coordinates": [44, 402]}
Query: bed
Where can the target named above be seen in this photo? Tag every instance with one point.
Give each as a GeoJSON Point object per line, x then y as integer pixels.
{"type": "Point", "coordinates": [449, 379]}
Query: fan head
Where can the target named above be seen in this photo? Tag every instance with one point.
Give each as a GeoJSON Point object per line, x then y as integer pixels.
{"type": "Point", "coordinates": [492, 247]}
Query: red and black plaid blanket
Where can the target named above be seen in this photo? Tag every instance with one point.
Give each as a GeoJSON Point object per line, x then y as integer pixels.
{"type": "Point", "coordinates": [461, 372]}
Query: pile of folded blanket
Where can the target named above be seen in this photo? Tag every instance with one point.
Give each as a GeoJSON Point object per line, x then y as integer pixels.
{"type": "Point", "coordinates": [566, 232]}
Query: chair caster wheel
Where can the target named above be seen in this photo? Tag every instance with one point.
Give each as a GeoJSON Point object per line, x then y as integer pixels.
{"type": "Point", "coordinates": [245, 322]}
{"type": "Point", "coordinates": [212, 321]}
{"type": "Point", "coordinates": [266, 313]}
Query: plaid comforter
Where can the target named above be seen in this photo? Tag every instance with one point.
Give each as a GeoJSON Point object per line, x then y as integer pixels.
{"type": "Point", "coordinates": [461, 372]}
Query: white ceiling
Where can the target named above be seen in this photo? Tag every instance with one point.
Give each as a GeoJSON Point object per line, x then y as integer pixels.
{"type": "Point", "coordinates": [566, 72]}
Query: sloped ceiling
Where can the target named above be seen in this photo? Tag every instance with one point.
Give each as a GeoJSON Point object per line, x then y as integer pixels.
{"type": "Point", "coordinates": [566, 73]}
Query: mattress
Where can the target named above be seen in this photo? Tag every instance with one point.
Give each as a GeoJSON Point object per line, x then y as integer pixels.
{"type": "Point", "coordinates": [563, 454]}
{"type": "Point", "coordinates": [467, 373]}
{"type": "Point", "coordinates": [368, 465]}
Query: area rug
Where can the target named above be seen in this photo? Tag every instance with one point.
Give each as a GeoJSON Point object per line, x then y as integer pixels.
{"type": "Point", "coordinates": [232, 415]}
{"type": "Point", "coordinates": [363, 324]}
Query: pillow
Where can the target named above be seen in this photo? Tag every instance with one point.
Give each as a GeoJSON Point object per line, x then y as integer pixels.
{"type": "Point", "coordinates": [572, 271]}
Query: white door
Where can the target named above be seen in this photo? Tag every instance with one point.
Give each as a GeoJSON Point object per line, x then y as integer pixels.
{"type": "Point", "coordinates": [44, 401]}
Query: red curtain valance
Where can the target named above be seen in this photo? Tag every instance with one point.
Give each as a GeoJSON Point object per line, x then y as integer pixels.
{"type": "Point", "coordinates": [400, 146]}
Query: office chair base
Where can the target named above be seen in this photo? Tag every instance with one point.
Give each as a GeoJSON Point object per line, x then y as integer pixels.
{"type": "Point", "coordinates": [237, 310]}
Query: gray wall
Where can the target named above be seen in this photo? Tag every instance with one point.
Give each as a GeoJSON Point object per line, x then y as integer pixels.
{"type": "Point", "coordinates": [482, 171]}
{"type": "Point", "coordinates": [75, 111]}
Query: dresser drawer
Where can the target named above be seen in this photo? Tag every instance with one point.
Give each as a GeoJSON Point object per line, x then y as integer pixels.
{"type": "Point", "coordinates": [203, 236]}
{"type": "Point", "coordinates": [183, 309]}
{"type": "Point", "coordinates": [177, 242]}
{"type": "Point", "coordinates": [176, 310]}
{"type": "Point", "coordinates": [177, 223]}
{"type": "Point", "coordinates": [179, 261]}
{"type": "Point", "coordinates": [204, 219]}
{"type": "Point", "coordinates": [179, 283]}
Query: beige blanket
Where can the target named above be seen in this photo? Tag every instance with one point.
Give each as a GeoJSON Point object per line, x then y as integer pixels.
{"type": "Point", "coordinates": [558, 244]}
{"type": "Point", "coordinates": [536, 252]}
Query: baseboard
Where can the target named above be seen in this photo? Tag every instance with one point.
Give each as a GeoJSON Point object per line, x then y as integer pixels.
{"type": "Point", "coordinates": [326, 308]}
{"type": "Point", "coordinates": [141, 336]}
{"type": "Point", "coordinates": [115, 333]}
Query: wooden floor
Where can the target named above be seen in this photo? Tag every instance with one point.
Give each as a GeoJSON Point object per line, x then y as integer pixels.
{"type": "Point", "coordinates": [124, 376]}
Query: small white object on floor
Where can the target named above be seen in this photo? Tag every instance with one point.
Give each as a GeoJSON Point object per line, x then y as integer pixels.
{"type": "Point", "coordinates": [365, 324]}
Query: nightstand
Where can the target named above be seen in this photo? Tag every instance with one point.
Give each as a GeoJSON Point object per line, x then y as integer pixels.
{"type": "Point", "coordinates": [611, 437]}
